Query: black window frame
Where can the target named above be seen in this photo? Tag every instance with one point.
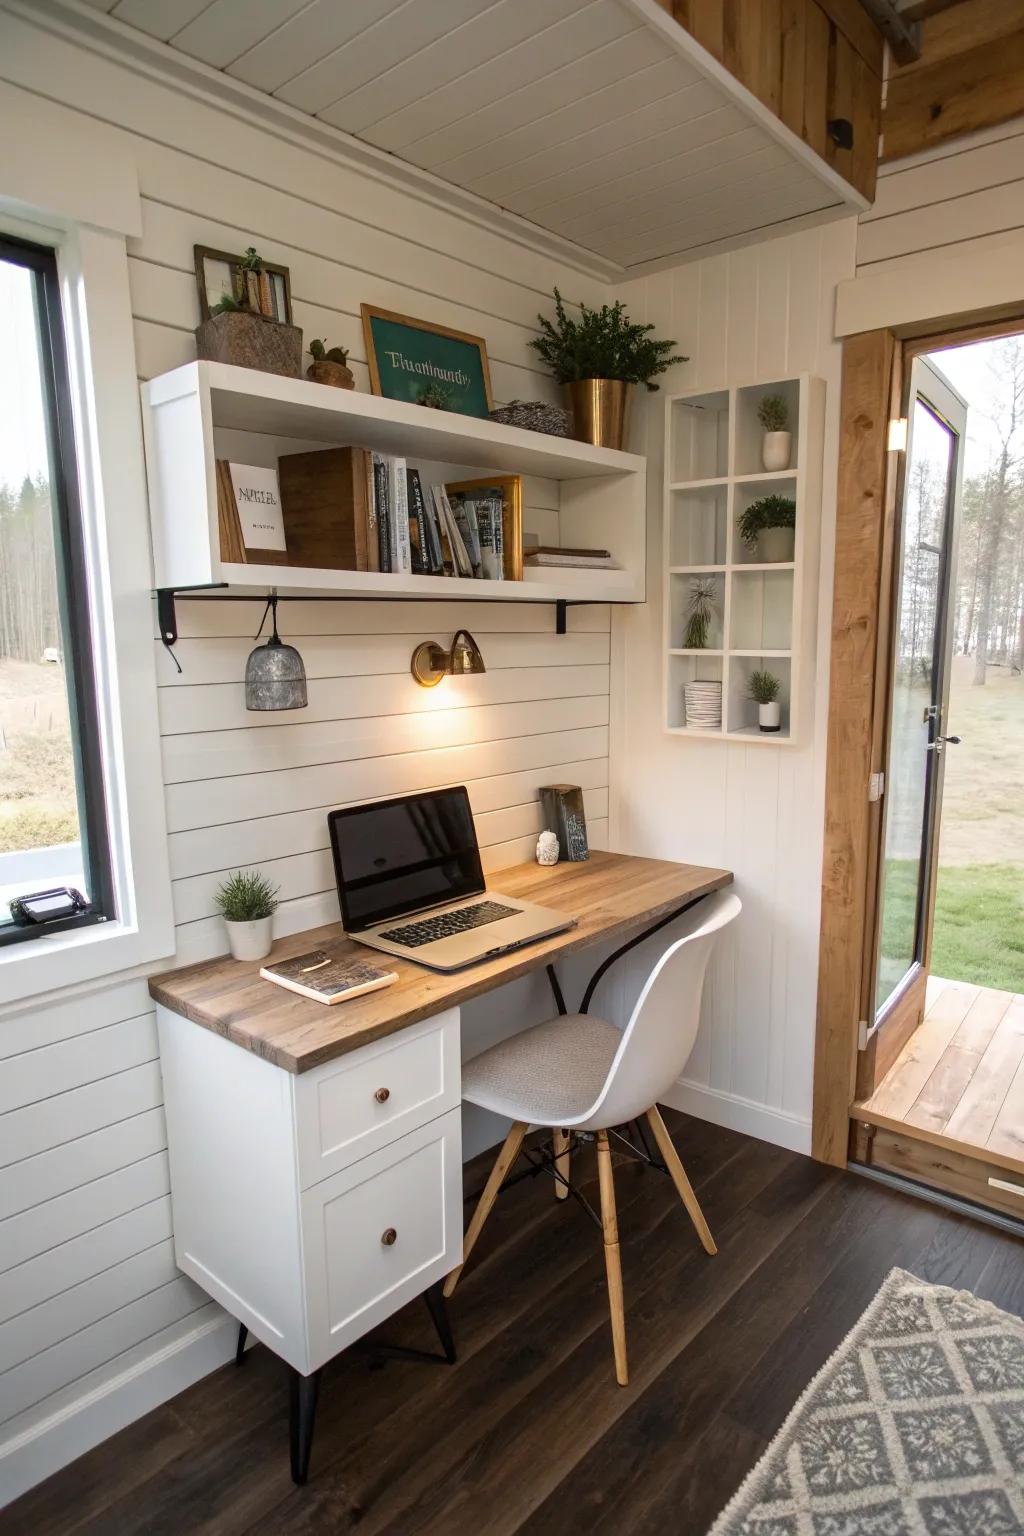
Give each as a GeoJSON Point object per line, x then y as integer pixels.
{"type": "Point", "coordinates": [73, 598]}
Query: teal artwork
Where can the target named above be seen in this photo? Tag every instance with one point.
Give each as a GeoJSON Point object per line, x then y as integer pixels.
{"type": "Point", "coordinates": [429, 366]}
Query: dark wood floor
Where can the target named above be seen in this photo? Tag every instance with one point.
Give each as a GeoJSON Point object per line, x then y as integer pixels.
{"type": "Point", "coordinates": [529, 1432]}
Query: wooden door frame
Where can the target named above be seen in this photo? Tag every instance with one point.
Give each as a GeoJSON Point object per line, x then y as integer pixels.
{"type": "Point", "coordinates": [874, 366]}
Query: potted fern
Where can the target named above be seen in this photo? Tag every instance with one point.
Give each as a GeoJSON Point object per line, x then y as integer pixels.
{"type": "Point", "coordinates": [596, 358]}
{"type": "Point", "coordinates": [768, 526]}
{"type": "Point", "coordinates": [777, 443]}
{"type": "Point", "coordinates": [247, 902]}
{"type": "Point", "coordinates": [764, 688]}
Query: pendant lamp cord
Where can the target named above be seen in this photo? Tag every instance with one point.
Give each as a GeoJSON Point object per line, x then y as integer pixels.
{"type": "Point", "coordinates": [270, 608]}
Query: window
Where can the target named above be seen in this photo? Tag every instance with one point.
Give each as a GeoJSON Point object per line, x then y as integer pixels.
{"type": "Point", "coordinates": [53, 828]}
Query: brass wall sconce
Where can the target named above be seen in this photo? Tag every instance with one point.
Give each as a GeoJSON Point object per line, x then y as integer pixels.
{"type": "Point", "coordinates": [431, 662]}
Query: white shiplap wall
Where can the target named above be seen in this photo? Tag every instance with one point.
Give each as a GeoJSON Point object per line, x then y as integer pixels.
{"type": "Point", "coordinates": [96, 1325]}
{"type": "Point", "coordinates": [959, 199]}
{"type": "Point", "coordinates": [761, 313]}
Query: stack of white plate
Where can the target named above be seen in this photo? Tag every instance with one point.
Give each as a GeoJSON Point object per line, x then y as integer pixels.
{"type": "Point", "coordinates": [703, 705]}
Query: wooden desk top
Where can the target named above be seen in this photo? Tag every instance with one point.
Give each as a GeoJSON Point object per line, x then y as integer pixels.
{"type": "Point", "coordinates": [610, 895]}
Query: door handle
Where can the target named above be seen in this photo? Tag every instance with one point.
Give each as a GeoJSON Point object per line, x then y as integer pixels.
{"type": "Point", "coordinates": [941, 741]}
{"type": "Point", "coordinates": [951, 741]}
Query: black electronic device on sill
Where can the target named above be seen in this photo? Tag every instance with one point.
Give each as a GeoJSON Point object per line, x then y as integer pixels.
{"type": "Point", "coordinates": [48, 906]}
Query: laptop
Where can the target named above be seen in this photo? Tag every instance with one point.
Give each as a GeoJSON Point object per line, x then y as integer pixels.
{"type": "Point", "coordinates": [410, 883]}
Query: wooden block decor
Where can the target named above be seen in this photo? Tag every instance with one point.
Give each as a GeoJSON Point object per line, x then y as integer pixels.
{"type": "Point", "coordinates": [233, 549]}
{"type": "Point", "coordinates": [563, 814]}
{"type": "Point", "coordinates": [325, 499]}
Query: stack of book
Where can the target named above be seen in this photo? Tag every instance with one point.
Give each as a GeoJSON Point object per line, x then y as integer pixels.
{"type": "Point", "coordinates": [548, 555]}
{"type": "Point", "coordinates": [353, 509]}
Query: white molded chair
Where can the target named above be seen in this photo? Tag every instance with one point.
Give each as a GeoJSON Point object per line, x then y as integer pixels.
{"type": "Point", "coordinates": [576, 1072]}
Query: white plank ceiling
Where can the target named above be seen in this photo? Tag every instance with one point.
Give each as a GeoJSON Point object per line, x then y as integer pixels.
{"type": "Point", "coordinates": [591, 118]}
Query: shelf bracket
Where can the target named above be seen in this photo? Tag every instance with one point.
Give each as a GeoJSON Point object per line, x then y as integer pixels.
{"type": "Point", "coordinates": [561, 615]}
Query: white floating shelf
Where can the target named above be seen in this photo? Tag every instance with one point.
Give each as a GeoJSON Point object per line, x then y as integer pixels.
{"type": "Point", "coordinates": [194, 415]}
{"type": "Point", "coordinates": [712, 453]}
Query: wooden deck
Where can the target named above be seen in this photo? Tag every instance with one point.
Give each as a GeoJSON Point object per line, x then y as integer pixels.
{"type": "Point", "coordinates": [961, 1074]}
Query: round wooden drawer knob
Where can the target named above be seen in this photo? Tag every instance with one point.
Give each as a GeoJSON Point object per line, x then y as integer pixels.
{"type": "Point", "coordinates": [382, 1095]}
{"type": "Point", "coordinates": [388, 1237]}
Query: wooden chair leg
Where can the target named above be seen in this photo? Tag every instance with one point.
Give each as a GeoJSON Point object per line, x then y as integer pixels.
{"type": "Point", "coordinates": [612, 1260]}
{"type": "Point", "coordinates": [560, 1141]}
{"type": "Point", "coordinates": [502, 1163]}
{"type": "Point", "coordinates": [683, 1186]}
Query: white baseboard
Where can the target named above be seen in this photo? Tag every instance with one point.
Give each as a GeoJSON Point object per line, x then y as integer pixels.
{"type": "Point", "coordinates": [738, 1114]}
{"type": "Point", "coordinates": [73, 1429]}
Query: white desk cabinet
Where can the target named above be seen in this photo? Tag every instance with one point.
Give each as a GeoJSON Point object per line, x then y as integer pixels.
{"type": "Point", "coordinates": [313, 1205]}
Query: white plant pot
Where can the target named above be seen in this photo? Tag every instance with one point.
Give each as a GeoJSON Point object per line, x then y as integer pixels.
{"type": "Point", "coordinates": [776, 449]}
{"type": "Point", "coordinates": [250, 941]}
{"type": "Point", "coordinates": [776, 544]}
{"type": "Point", "coordinates": [769, 716]}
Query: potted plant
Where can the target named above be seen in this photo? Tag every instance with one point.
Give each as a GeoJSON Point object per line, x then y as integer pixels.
{"type": "Point", "coordinates": [769, 527]}
{"type": "Point", "coordinates": [247, 902]}
{"type": "Point", "coordinates": [776, 445]}
{"type": "Point", "coordinates": [242, 329]}
{"type": "Point", "coordinates": [436, 397]}
{"type": "Point", "coordinates": [702, 601]}
{"type": "Point", "coordinates": [764, 688]}
{"type": "Point", "coordinates": [596, 358]}
{"type": "Point", "coordinates": [329, 365]}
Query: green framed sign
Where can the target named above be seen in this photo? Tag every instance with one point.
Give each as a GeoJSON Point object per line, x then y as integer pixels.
{"type": "Point", "coordinates": [426, 364]}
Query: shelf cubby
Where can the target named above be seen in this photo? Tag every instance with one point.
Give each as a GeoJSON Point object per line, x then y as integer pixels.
{"type": "Point", "coordinates": [713, 472]}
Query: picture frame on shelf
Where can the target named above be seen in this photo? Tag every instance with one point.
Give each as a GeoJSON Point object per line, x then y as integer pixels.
{"type": "Point", "coordinates": [222, 275]}
{"type": "Point", "coordinates": [510, 488]}
{"type": "Point", "coordinates": [426, 364]}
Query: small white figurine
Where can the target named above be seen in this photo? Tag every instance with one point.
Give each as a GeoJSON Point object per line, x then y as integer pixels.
{"type": "Point", "coordinates": [547, 848]}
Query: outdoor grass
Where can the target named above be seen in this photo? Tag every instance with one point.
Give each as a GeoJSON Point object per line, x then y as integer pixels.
{"type": "Point", "coordinates": [979, 924]}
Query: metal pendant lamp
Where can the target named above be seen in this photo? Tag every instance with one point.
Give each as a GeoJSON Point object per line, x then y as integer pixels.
{"type": "Point", "coordinates": [275, 677]}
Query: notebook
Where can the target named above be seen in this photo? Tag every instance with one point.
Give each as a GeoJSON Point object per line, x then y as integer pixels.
{"type": "Point", "coordinates": [323, 978]}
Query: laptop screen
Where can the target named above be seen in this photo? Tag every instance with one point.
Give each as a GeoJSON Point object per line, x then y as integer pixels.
{"type": "Point", "coordinates": [394, 856]}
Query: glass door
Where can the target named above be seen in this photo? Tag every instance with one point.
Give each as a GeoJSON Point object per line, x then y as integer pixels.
{"type": "Point", "coordinates": [924, 560]}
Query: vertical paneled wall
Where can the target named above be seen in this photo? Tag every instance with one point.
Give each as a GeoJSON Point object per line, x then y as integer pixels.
{"type": "Point", "coordinates": [96, 1324]}
{"type": "Point", "coordinates": [761, 313]}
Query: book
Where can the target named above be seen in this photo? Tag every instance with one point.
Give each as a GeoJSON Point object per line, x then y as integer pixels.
{"type": "Point", "coordinates": [325, 979]}
{"type": "Point", "coordinates": [421, 563]}
{"type": "Point", "coordinates": [489, 514]}
{"type": "Point", "coordinates": [382, 503]}
{"type": "Point", "coordinates": [469, 529]}
{"type": "Point", "coordinates": [327, 508]}
{"type": "Point", "coordinates": [433, 535]}
{"type": "Point", "coordinates": [571, 562]}
{"type": "Point", "coordinates": [460, 554]}
{"type": "Point", "coordinates": [558, 549]}
{"type": "Point", "coordinates": [398, 487]}
{"type": "Point", "coordinates": [372, 531]}
{"type": "Point", "coordinates": [444, 537]}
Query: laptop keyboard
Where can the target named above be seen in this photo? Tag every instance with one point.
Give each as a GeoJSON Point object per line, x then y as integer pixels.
{"type": "Point", "coordinates": [461, 920]}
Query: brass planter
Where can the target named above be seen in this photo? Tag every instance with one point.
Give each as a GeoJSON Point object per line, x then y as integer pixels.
{"type": "Point", "coordinates": [600, 410]}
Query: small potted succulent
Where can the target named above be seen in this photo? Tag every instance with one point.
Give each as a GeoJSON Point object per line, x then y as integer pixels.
{"type": "Point", "coordinates": [596, 358]}
{"type": "Point", "coordinates": [329, 365]}
{"type": "Point", "coordinates": [764, 688]}
{"type": "Point", "coordinates": [436, 397]}
{"type": "Point", "coordinates": [247, 902]}
{"type": "Point", "coordinates": [777, 443]}
{"type": "Point", "coordinates": [242, 329]}
{"type": "Point", "coordinates": [768, 526]}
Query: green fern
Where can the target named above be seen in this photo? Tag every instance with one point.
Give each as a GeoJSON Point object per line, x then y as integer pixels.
{"type": "Point", "coordinates": [602, 344]}
{"type": "Point", "coordinates": [764, 687]}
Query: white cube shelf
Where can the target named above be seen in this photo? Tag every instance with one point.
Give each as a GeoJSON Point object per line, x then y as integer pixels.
{"type": "Point", "coordinates": [713, 472]}
{"type": "Point", "coordinates": [573, 494]}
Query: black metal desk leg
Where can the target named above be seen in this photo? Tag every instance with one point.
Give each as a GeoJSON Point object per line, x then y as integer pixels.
{"type": "Point", "coordinates": [243, 1334]}
{"type": "Point", "coordinates": [438, 1309]}
{"type": "Point", "coordinates": [302, 1417]}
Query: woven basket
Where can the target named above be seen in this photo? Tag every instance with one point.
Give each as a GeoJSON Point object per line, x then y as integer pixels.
{"type": "Point", "coordinates": [535, 416]}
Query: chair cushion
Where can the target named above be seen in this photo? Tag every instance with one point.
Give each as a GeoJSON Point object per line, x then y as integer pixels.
{"type": "Point", "coordinates": [548, 1075]}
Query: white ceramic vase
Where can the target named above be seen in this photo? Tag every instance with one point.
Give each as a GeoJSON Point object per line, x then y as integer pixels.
{"type": "Point", "coordinates": [250, 941]}
{"type": "Point", "coordinates": [769, 716]}
{"type": "Point", "coordinates": [775, 450]}
{"type": "Point", "coordinates": [776, 544]}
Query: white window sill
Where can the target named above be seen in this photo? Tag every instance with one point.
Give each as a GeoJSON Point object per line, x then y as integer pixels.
{"type": "Point", "coordinates": [31, 970]}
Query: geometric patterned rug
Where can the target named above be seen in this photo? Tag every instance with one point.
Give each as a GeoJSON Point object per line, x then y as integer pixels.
{"type": "Point", "coordinates": [914, 1427]}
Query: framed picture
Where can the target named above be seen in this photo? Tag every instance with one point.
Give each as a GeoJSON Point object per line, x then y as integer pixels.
{"type": "Point", "coordinates": [426, 364]}
{"type": "Point", "coordinates": [510, 489]}
{"type": "Point", "coordinates": [220, 275]}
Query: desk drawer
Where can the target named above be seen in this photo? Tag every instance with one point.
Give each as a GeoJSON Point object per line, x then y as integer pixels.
{"type": "Point", "coordinates": [380, 1232]}
{"type": "Point", "coordinates": [349, 1108]}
